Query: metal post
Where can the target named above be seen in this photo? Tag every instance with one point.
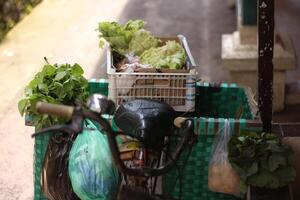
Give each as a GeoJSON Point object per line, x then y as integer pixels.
{"type": "Point", "coordinates": [265, 61]}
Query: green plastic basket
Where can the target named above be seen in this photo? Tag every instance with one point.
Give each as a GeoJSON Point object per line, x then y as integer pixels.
{"type": "Point", "coordinates": [224, 101]}
{"type": "Point", "coordinates": [41, 141]}
{"type": "Point", "coordinates": [220, 102]}
{"type": "Point", "coordinates": [98, 86]}
{"type": "Point", "coordinates": [40, 146]}
{"type": "Point", "coordinates": [196, 167]}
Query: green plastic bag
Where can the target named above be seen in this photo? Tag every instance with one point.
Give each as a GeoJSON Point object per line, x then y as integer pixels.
{"type": "Point", "coordinates": [91, 169]}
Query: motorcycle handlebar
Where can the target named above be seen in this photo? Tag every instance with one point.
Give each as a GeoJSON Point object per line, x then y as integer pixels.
{"type": "Point", "coordinates": [55, 109]}
{"type": "Point", "coordinates": [185, 126]}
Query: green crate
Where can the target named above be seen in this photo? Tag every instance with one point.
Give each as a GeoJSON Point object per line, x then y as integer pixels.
{"type": "Point", "coordinates": [41, 141]}
{"type": "Point", "coordinates": [224, 101]}
{"type": "Point", "coordinates": [195, 180]}
{"type": "Point", "coordinates": [220, 102]}
{"type": "Point", "coordinates": [40, 147]}
{"type": "Point", "coordinates": [98, 86]}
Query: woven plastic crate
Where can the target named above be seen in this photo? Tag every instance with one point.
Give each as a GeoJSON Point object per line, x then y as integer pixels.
{"type": "Point", "coordinates": [98, 86]}
{"type": "Point", "coordinates": [193, 166]}
{"type": "Point", "coordinates": [40, 147]}
{"type": "Point", "coordinates": [175, 87]}
{"type": "Point", "coordinates": [41, 141]}
{"type": "Point", "coordinates": [224, 101]}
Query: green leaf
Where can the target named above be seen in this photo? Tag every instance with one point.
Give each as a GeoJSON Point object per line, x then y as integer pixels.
{"type": "Point", "coordinates": [264, 163]}
{"type": "Point", "coordinates": [243, 187]}
{"type": "Point", "coordinates": [22, 106]}
{"type": "Point", "coordinates": [28, 91]}
{"type": "Point", "coordinates": [68, 85]}
{"type": "Point", "coordinates": [48, 70]}
{"type": "Point", "coordinates": [275, 160]}
{"type": "Point", "coordinates": [77, 70]}
{"type": "Point", "coordinates": [241, 139]}
{"type": "Point", "coordinates": [275, 183]}
{"type": "Point", "coordinates": [60, 75]}
{"type": "Point", "coordinates": [101, 43]}
{"type": "Point", "coordinates": [58, 89]}
{"type": "Point", "coordinates": [171, 55]}
{"type": "Point", "coordinates": [37, 80]}
{"type": "Point", "coordinates": [253, 169]}
{"type": "Point", "coordinates": [285, 175]}
{"type": "Point", "coordinates": [43, 87]}
{"type": "Point", "coordinates": [261, 179]}
{"type": "Point", "coordinates": [274, 147]}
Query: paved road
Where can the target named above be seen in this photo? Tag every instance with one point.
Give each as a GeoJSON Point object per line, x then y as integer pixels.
{"type": "Point", "coordinates": [64, 31]}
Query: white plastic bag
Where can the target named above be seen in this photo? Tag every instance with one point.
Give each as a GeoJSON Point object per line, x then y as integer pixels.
{"type": "Point", "coordinates": [221, 176]}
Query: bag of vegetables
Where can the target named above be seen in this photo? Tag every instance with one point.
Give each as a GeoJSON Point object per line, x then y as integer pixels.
{"type": "Point", "coordinates": [221, 176]}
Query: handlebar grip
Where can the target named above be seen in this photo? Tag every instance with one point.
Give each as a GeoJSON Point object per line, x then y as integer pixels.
{"type": "Point", "coordinates": [55, 110]}
{"type": "Point", "coordinates": [178, 121]}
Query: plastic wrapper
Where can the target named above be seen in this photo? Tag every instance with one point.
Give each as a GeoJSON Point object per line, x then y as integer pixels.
{"type": "Point", "coordinates": [91, 169]}
{"type": "Point", "coordinates": [55, 182]}
{"type": "Point", "coordinates": [221, 176]}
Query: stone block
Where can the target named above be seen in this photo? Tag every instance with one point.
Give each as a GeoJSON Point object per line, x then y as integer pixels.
{"type": "Point", "coordinates": [241, 60]}
{"type": "Point", "coordinates": [293, 93]}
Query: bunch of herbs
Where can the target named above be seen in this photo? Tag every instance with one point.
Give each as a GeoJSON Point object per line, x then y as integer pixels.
{"type": "Point", "coordinates": [58, 84]}
{"type": "Point", "coordinates": [261, 160]}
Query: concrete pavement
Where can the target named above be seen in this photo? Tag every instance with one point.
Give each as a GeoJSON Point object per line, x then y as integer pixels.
{"type": "Point", "coordinates": [64, 31]}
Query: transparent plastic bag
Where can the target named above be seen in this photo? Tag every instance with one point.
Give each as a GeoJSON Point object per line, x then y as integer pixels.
{"type": "Point", "coordinates": [221, 176]}
{"type": "Point", "coordinates": [91, 169]}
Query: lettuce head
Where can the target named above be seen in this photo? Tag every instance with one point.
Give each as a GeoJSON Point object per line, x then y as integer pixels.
{"type": "Point", "coordinates": [171, 55]}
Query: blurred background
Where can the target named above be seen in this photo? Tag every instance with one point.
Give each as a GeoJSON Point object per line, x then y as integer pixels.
{"type": "Point", "coordinates": [221, 35]}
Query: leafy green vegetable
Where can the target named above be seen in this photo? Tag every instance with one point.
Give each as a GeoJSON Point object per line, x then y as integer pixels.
{"type": "Point", "coordinates": [171, 55]}
{"type": "Point", "coordinates": [134, 25]}
{"type": "Point", "coordinates": [59, 84]}
{"type": "Point", "coordinates": [117, 36]}
{"type": "Point", "coordinates": [130, 38]}
{"type": "Point", "coordinates": [261, 160]}
{"type": "Point", "coordinates": [142, 40]}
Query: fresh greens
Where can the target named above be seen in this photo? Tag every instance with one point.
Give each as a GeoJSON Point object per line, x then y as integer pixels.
{"type": "Point", "coordinates": [142, 40]}
{"type": "Point", "coordinates": [130, 38]}
{"type": "Point", "coordinates": [171, 55]}
{"type": "Point", "coordinates": [59, 84]}
{"type": "Point", "coordinates": [261, 160]}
